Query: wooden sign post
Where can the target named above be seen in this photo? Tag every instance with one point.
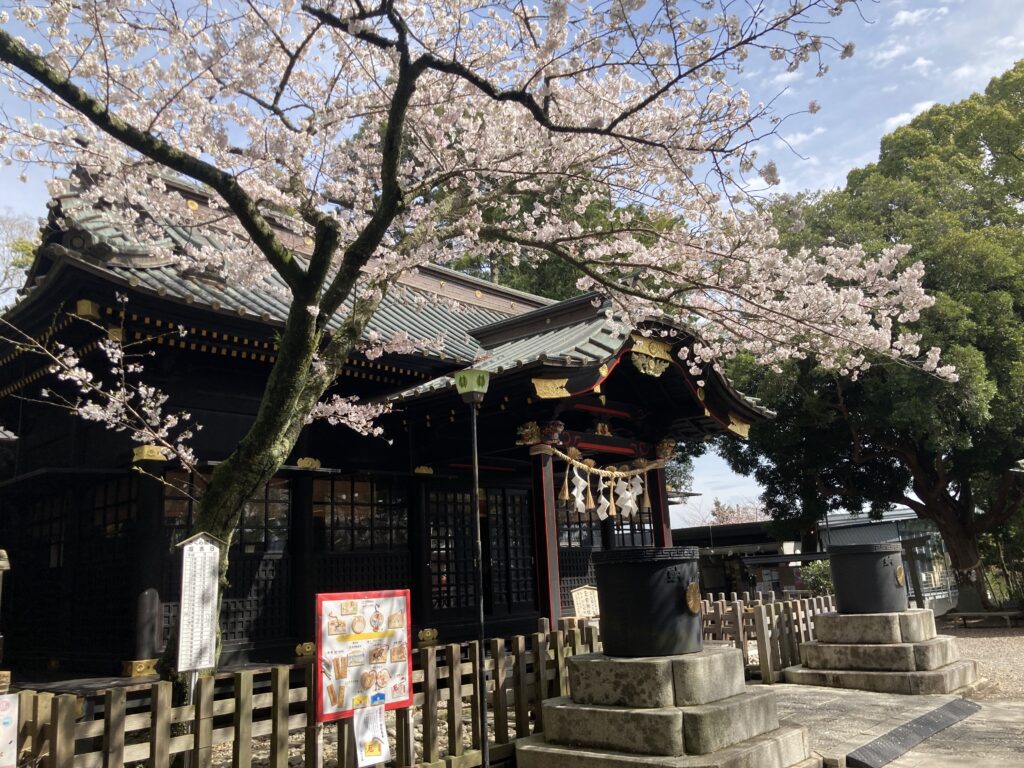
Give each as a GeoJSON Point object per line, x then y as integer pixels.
{"type": "Point", "coordinates": [197, 621]}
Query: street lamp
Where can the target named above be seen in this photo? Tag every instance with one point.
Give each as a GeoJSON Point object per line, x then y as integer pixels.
{"type": "Point", "coordinates": [471, 384]}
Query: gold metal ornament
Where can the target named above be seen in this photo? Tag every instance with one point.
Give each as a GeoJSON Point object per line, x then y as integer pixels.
{"type": "Point", "coordinates": [901, 575]}
{"type": "Point", "coordinates": [693, 598]}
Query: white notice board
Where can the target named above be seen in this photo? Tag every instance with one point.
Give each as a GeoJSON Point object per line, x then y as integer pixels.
{"type": "Point", "coordinates": [197, 622]}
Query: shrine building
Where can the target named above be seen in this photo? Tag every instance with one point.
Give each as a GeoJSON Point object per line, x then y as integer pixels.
{"type": "Point", "coordinates": [95, 571]}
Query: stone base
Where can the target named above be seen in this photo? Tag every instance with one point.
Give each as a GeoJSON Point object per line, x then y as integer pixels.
{"type": "Point", "coordinates": [881, 657]}
{"type": "Point", "coordinates": [946, 679]}
{"type": "Point", "coordinates": [882, 652]}
{"type": "Point", "coordinates": [911, 626]}
{"type": "Point", "coordinates": [664, 681]}
{"type": "Point", "coordinates": [680, 711]}
{"type": "Point", "coordinates": [697, 729]}
{"type": "Point", "coordinates": [785, 747]}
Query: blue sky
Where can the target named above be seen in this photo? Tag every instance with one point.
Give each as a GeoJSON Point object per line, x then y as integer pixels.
{"type": "Point", "coordinates": [910, 54]}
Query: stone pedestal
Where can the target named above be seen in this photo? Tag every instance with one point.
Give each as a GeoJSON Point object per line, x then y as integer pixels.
{"type": "Point", "coordinates": [882, 652]}
{"type": "Point", "coordinates": [673, 711]}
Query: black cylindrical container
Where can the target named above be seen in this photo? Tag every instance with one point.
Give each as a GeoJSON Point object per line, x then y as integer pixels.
{"type": "Point", "coordinates": [869, 578]}
{"type": "Point", "coordinates": [650, 601]}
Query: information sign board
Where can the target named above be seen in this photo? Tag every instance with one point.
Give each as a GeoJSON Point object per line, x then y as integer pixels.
{"type": "Point", "coordinates": [584, 602]}
{"type": "Point", "coordinates": [197, 622]}
{"type": "Point", "coordinates": [9, 730]}
{"type": "Point", "coordinates": [372, 744]}
{"type": "Point", "coordinates": [363, 652]}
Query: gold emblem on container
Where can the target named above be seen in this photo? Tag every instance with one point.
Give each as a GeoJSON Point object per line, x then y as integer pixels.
{"type": "Point", "coordinates": [693, 597]}
{"type": "Point", "coordinates": [901, 576]}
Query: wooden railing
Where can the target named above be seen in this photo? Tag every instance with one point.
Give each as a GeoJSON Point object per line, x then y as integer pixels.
{"type": "Point", "coordinates": [266, 707]}
{"type": "Point", "coordinates": [139, 723]}
{"type": "Point", "coordinates": [777, 626]}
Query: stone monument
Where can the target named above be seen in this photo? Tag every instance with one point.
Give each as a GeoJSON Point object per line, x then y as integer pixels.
{"type": "Point", "coordinates": [674, 711]}
{"type": "Point", "coordinates": [874, 642]}
{"type": "Point", "coordinates": [678, 709]}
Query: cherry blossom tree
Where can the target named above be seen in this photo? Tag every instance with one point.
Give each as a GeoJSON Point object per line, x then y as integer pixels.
{"type": "Point", "coordinates": [17, 242]}
{"type": "Point", "coordinates": [379, 131]}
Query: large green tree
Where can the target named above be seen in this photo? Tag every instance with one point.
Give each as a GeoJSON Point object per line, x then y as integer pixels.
{"type": "Point", "coordinates": [951, 184]}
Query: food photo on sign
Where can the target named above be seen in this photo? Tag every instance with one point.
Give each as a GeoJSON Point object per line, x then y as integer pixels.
{"type": "Point", "coordinates": [363, 652]}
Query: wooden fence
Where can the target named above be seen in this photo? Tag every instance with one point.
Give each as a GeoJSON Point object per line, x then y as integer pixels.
{"type": "Point", "coordinates": [777, 626]}
{"type": "Point", "coordinates": [138, 724]}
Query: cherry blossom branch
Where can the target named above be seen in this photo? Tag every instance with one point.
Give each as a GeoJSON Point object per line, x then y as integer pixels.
{"type": "Point", "coordinates": [129, 405]}
{"type": "Point", "coordinates": [16, 54]}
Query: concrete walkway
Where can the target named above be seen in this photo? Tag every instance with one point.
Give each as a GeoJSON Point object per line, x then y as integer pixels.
{"type": "Point", "coordinates": [839, 721]}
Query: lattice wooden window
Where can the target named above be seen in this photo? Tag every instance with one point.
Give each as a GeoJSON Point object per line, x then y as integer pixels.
{"type": "Point", "coordinates": [452, 576]}
{"type": "Point", "coordinates": [106, 530]}
{"type": "Point", "coordinates": [262, 526]}
{"type": "Point", "coordinates": [637, 531]}
{"type": "Point", "coordinates": [365, 513]}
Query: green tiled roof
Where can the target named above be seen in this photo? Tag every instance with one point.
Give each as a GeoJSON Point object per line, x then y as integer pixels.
{"type": "Point", "coordinates": [109, 250]}
{"type": "Point", "coordinates": [590, 341]}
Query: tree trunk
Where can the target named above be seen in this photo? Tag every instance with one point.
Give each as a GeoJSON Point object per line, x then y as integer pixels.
{"type": "Point", "coordinates": [961, 543]}
{"type": "Point", "coordinates": [291, 391]}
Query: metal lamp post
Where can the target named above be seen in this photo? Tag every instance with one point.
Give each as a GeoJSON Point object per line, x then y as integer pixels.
{"type": "Point", "coordinates": [471, 384]}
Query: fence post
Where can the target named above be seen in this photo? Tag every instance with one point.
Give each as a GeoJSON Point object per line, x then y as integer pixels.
{"type": "Point", "coordinates": [453, 656]}
{"type": "Point", "coordinates": [764, 648]}
{"type": "Point", "coordinates": [561, 674]}
{"type": "Point", "coordinates": [202, 746]}
{"type": "Point", "coordinates": [279, 717]}
{"type": "Point", "coordinates": [593, 643]}
{"type": "Point", "coordinates": [113, 727]}
{"type": "Point", "coordinates": [62, 731]}
{"type": "Point", "coordinates": [314, 751]}
{"type": "Point", "coordinates": [500, 675]}
{"type": "Point", "coordinates": [404, 736]}
{"type": "Point", "coordinates": [241, 751]}
{"type": "Point", "coordinates": [26, 706]}
{"type": "Point", "coordinates": [540, 678]}
{"type": "Point", "coordinates": [42, 711]}
{"type": "Point", "coordinates": [520, 686]}
{"type": "Point", "coordinates": [475, 659]}
{"type": "Point", "coordinates": [428, 661]}
{"type": "Point", "coordinates": [160, 724]}
{"type": "Point", "coordinates": [741, 637]}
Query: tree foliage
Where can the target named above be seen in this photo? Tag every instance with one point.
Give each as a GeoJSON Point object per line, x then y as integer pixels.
{"type": "Point", "coordinates": [18, 236]}
{"type": "Point", "coordinates": [339, 144]}
{"type": "Point", "coordinates": [952, 184]}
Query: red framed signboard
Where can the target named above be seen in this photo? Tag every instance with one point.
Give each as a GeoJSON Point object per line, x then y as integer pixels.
{"type": "Point", "coordinates": [363, 652]}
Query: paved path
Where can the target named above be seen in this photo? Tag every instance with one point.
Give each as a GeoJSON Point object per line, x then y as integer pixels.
{"type": "Point", "coordinates": [991, 738]}
{"type": "Point", "coordinates": [838, 721]}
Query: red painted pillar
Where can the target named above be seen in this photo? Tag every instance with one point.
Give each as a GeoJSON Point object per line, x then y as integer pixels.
{"type": "Point", "coordinates": [659, 507]}
{"type": "Point", "coordinates": [545, 526]}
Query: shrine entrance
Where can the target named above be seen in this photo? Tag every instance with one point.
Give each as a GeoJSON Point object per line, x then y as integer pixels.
{"type": "Point", "coordinates": [509, 566]}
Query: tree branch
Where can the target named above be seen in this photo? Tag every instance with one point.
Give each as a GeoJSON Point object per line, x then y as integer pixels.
{"type": "Point", "coordinates": [244, 207]}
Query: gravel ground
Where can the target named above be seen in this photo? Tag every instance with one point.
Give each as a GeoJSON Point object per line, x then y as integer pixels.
{"type": "Point", "coordinates": [999, 652]}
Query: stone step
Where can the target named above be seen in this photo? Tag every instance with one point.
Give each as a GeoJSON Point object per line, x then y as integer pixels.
{"type": "Point", "coordinates": [917, 625]}
{"type": "Point", "coordinates": [713, 726]}
{"type": "Point", "coordinates": [897, 657]}
{"type": "Point", "coordinates": [942, 680]}
{"type": "Point", "coordinates": [881, 657]}
{"type": "Point", "coordinates": [785, 747]}
{"type": "Point", "coordinates": [638, 731]}
{"type": "Point", "coordinates": [914, 625]}
{"type": "Point", "coordinates": [665, 681]}
{"type": "Point", "coordinates": [940, 651]}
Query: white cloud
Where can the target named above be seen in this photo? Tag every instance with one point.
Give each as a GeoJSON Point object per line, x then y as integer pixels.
{"type": "Point", "coordinates": [913, 18]}
{"type": "Point", "coordinates": [798, 138]}
{"type": "Point", "coordinates": [882, 57]}
{"type": "Point", "coordinates": [785, 78]}
{"type": "Point", "coordinates": [922, 66]}
{"type": "Point", "coordinates": [903, 118]}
